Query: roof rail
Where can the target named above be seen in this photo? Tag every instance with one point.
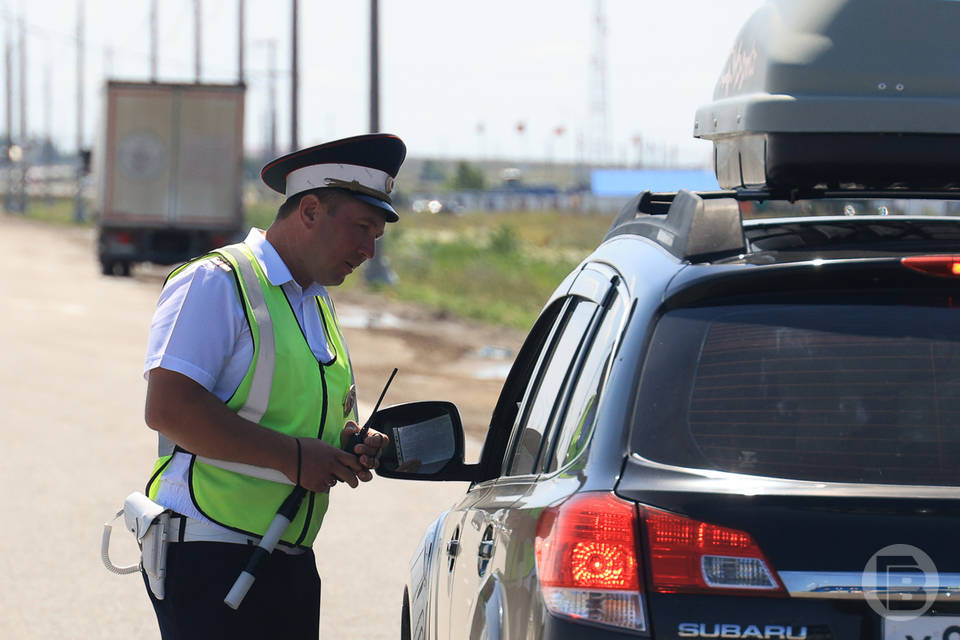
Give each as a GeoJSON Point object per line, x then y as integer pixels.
{"type": "Point", "coordinates": [691, 226]}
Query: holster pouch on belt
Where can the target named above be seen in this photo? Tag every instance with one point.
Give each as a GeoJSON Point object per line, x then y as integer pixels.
{"type": "Point", "coordinates": [149, 522]}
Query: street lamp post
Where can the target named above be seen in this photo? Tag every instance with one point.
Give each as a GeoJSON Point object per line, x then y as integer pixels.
{"type": "Point", "coordinates": [79, 210]}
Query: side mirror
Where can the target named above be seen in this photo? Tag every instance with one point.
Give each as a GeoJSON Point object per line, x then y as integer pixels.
{"type": "Point", "coordinates": [426, 441]}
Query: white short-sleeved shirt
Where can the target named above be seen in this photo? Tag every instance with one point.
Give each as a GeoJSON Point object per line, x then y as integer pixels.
{"type": "Point", "coordinates": [200, 330]}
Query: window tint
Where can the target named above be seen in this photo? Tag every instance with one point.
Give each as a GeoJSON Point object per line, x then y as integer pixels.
{"type": "Point", "coordinates": [553, 372]}
{"type": "Point", "coordinates": [830, 393]}
{"type": "Point", "coordinates": [578, 423]}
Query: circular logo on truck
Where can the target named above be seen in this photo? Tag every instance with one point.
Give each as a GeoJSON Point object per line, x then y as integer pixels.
{"type": "Point", "coordinates": [141, 155]}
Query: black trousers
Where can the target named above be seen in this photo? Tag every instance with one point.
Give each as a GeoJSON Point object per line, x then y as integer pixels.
{"type": "Point", "coordinates": [284, 602]}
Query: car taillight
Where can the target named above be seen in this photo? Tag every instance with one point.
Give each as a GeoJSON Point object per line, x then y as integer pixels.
{"type": "Point", "coordinates": [689, 556]}
{"type": "Point", "coordinates": [944, 266]}
{"type": "Point", "coordinates": [586, 551]}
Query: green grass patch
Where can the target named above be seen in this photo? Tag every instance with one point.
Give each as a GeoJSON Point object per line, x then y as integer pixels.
{"type": "Point", "coordinates": [54, 210]}
{"type": "Point", "coordinates": [494, 267]}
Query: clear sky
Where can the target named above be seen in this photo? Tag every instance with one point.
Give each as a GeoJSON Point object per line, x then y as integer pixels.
{"type": "Point", "coordinates": [457, 76]}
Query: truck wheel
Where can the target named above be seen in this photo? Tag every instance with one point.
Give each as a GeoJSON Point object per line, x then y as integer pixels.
{"type": "Point", "coordinates": [115, 267]}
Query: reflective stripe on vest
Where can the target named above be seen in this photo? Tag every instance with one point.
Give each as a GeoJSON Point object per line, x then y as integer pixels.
{"type": "Point", "coordinates": [309, 397]}
{"type": "Point", "coordinates": [256, 404]}
{"type": "Point", "coordinates": [259, 395]}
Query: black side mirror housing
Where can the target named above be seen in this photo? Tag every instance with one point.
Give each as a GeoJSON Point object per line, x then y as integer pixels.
{"type": "Point", "coordinates": [426, 442]}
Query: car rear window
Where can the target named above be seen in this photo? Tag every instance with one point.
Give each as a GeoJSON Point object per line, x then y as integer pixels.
{"type": "Point", "coordinates": [834, 393]}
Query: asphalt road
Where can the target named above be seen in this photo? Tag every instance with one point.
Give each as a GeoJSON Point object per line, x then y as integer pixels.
{"type": "Point", "coordinates": [75, 444]}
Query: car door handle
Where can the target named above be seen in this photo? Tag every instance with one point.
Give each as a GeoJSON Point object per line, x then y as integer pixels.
{"type": "Point", "coordinates": [486, 549]}
{"type": "Point", "coordinates": [453, 548]}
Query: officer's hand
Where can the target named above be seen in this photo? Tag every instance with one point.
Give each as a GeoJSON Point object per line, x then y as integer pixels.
{"type": "Point", "coordinates": [370, 450]}
{"type": "Point", "coordinates": [410, 466]}
{"type": "Point", "coordinates": [324, 465]}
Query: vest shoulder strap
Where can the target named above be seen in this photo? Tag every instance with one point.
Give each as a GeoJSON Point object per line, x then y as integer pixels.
{"type": "Point", "coordinates": [265, 354]}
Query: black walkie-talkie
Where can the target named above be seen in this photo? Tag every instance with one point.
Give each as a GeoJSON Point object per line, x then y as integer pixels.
{"type": "Point", "coordinates": [361, 435]}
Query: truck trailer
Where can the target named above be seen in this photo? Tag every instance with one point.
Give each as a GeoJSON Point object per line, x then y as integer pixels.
{"type": "Point", "coordinates": [169, 172]}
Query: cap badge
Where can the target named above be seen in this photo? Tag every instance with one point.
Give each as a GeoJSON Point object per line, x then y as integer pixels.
{"type": "Point", "coordinates": [388, 185]}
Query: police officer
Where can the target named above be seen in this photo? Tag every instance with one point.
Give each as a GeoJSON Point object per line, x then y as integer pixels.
{"type": "Point", "coordinates": [248, 378]}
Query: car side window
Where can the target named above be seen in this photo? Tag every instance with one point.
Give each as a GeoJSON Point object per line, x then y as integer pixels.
{"type": "Point", "coordinates": [515, 388]}
{"type": "Point", "coordinates": [581, 412]}
{"type": "Point", "coordinates": [551, 377]}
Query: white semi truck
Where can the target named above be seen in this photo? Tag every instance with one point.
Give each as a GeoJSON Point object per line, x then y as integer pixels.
{"type": "Point", "coordinates": [169, 172]}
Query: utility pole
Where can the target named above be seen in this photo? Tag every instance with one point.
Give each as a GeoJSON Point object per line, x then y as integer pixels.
{"type": "Point", "coordinates": [8, 161]}
{"type": "Point", "coordinates": [108, 62]}
{"type": "Point", "coordinates": [197, 38]}
{"type": "Point", "coordinates": [153, 40]}
{"type": "Point", "coordinates": [374, 67]}
{"type": "Point", "coordinates": [8, 76]}
{"type": "Point", "coordinates": [240, 36]}
{"type": "Point", "coordinates": [377, 270]}
{"type": "Point", "coordinates": [47, 111]}
{"type": "Point", "coordinates": [46, 142]}
{"type": "Point", "coordinates": [23, 81]}
{"type": "Point", "coordinates": [22, 159]}
{"type": "Point", "coordinates": [79, 214]}
{"type": "Point", "coordinates": [294, 84]}
{"type": "Point", "coordinates": [272, 131]}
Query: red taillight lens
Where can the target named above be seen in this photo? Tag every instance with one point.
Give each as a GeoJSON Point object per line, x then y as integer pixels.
{"type": "Point", "coordinates": [689, 556]}
{"type": "Point", "coordinates": [944, 266]}
{"type": "Point", "coordinates": [123, 237]}
{"type": "Point", "coordinates": [589, 566]}
{"type": "Point", "coordinates": [589, 542]}
{"type": "Point", "coordinates": [586, 552]}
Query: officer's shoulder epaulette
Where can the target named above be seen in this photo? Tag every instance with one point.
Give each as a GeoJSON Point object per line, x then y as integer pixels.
{"type": "Point", "coordinates": [215, 260]}
{"type": "Point", "coordinates": [221, 262]}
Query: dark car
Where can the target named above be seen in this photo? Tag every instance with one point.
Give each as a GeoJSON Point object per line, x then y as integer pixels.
{"type": "Point", "coordinates": [692, 448]}
{"type": "Point", "coordinates": [739, 417]}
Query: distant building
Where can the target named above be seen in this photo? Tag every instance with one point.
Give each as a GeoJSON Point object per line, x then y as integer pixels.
{"type": "Point", "coordinates": [608, 190]}
{"type": "Point", "coordinates": [629, 182]}
{"type": "Point", "coordinates": [611, 188]}
{"type": "Point", "coordinates": [505, 198]}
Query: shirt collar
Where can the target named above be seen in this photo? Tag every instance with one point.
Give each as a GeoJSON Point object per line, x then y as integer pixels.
{"type": "Point", "coordinates": [273, 265]}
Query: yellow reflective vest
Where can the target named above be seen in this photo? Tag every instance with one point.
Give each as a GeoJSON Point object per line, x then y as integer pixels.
{"type": "Point", "coordinates": [285, 389]}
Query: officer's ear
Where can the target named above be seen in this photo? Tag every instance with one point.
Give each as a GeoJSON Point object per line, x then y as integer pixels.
{"type": "Point", "coordinates": [310, 210]}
